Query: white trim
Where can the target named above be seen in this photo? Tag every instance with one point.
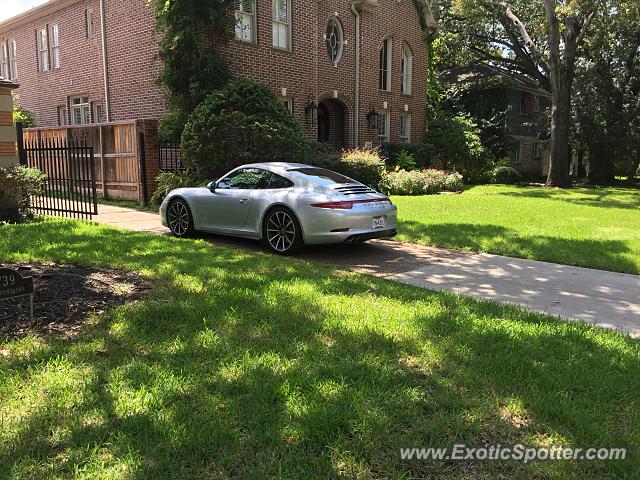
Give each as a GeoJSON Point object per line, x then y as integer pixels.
{"type": "Point", "coordinates": [385, 65]}
{"type": "Point", "coordinates": [281, 27]}
{"type": "Point", "coordinates": [4, 60]}
{"type": "Point", "coordinates": [42, 46]}
{"type": "Point", "coordinates": [54, 43]}
{"type": "Point", "coordinates": [407, 70]}
{"type": "Point", "coordinates": [383, 133]}
{"type": "Point", "coordinates": [245, 29]}
{"type": "Point", "coordinates": [13, 60]}
{"type": "Point", "coordinates": [405, 118]}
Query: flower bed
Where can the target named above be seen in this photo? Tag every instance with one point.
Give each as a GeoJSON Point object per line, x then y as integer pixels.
{"type": "Point", "coordinates": [420, 182]}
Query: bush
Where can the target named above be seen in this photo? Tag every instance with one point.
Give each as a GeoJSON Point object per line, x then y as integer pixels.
{"type": "Point", "coordinates": [365, 166]}
{"type": "Point", "coordinates": [171, 128]}
{"type": "Point", "coordinates": [506, 175]}
{"type": "Point", "coordinates": [17, 185]}
{"type": "Point", "coordinates": [406, 161]}
{"type": "Point", "coordinates": [456, 142]}
{"type": "Point", "coordinates": [168, 181]}
{"type": "Point", "coordinates": [420, 182]}
{"type": "Point", "coordinates": [422, 152]}
{"type": "Point", "coordinates": [21, 115]}
{"type": "Point", "coordinates": [243, 122]}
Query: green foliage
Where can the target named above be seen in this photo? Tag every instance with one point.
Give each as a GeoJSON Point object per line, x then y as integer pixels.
{"type": "Point", "coordinates": [506, 175]}
{"type": "Point", "coordinates": [171, 128]}
{"type": "Point", "coordinates": [365, 166]}
{"type": "Point", "coordinates": [168, 181]}
{"type": "Point", "coordinates": [21, 115]}
{"type": "Point", "coordinates": [421, 152]}
{"type": "Point", "coordinates": [420, 182]}
{"type": "Point", "coordinates": [243, 122]}
{"type": "Point", "coordinates": [17, 185]}
{"type": "Point", "coordinates": [456, 142]}
{"type": "Point", "coordinates": [406, 161]}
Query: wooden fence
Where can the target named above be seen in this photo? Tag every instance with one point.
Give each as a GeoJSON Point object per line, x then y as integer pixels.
{"type": "Point", "coordinates": [126, 155]}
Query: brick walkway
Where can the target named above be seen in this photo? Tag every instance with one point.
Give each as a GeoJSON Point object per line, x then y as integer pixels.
{"type": "Point", "coordinates": [610, 300]}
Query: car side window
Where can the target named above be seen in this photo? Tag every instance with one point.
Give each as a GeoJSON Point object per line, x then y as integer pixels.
{"type": "Point", "coordinates": [243, 179]}
{"type": "Point", "coordinates": [276, 181]}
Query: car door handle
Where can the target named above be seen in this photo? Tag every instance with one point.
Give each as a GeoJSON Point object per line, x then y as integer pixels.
{"type": "Point", "coordinates": [244, 201]}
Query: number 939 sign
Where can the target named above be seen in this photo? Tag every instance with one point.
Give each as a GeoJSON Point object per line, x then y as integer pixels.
{"type": "Point", "coordinates": [13, 285]}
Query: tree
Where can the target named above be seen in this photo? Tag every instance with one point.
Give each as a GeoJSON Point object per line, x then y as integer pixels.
{"type": "Point", "coordinates": [606, 102]}
{"type": "Point", "coordinates": [192, 66]}
{"type": "Point", "coordinates": [540, 40]}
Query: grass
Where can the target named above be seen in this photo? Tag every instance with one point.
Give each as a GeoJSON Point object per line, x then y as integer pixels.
{"type": "Point", "coordinates": [243, 365]}
{"type": "Point", "coordinates": [595, 228]}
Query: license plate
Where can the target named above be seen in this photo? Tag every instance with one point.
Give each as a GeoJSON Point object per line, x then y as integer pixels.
{"type": "Point", "coordinates": [379, 222]}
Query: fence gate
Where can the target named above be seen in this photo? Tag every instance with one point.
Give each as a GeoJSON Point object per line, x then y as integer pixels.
{"type": "Point", "coordinates": [70, 188]}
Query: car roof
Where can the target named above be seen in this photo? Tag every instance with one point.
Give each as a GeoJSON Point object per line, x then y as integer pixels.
{"type": "Point", "coordinates": [277, 166]}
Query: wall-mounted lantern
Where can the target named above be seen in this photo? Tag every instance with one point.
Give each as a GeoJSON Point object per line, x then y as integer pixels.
{"type": "Point", "coordinates": [311, 110]}
{"type": "Point", "coordinates": [372, 117]}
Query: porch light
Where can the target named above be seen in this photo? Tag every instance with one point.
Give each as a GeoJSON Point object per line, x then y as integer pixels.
{"type": "Point", "coordinates": [311, 110]}
{"type": "Point", "coordinates": [372, 117]}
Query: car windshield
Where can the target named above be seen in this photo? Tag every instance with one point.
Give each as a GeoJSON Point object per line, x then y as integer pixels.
{"type": "Point", "coordinates": [322, 176]}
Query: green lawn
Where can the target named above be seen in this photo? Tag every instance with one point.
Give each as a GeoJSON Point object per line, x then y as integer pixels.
{"type": "Point", "coordinates": [597, 228]}
{"type": "Point", "coordinates": [244, 365]}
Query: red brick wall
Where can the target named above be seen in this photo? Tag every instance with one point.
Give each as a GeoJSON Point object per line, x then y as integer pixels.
{"type": "Point", "coordinates": [132, 48]}
{"type": "Point", "coordinates": [305, 71]}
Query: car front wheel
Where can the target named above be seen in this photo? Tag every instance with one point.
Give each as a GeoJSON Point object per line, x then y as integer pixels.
{"type": "Point", "coordinates": [179, 219]}
{"type": "Point", "coordinates": [281, 231]}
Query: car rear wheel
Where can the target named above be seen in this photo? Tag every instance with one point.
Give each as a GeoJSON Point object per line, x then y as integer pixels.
{"type": "Point", "coordinates": [179, 219]}
{"type": "Point", "coordinates": [281, 231]}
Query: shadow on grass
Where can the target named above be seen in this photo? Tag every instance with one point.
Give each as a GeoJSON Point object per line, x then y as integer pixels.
{"type": "Point", "coordinates": [612, 255]}
{"type": "Point", "coordinates": [248, 366]}
{"type": "Point", "coordinates": [593, 197]}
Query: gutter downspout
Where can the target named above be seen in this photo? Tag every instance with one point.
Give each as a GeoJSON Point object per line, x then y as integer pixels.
{"type": "Point", "coordinates": [356, 116]}
{"type": "Point", "coordinates": [105, 62]}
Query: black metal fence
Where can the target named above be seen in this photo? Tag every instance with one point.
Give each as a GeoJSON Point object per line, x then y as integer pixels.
{"type": "Point", "coordinates": [69, 166]}
{"type": "Point", "coordinates": [170, 158]}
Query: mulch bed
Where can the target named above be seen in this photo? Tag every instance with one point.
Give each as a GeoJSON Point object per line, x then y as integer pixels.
{"type": "Point", "coordinates": [66, 296]}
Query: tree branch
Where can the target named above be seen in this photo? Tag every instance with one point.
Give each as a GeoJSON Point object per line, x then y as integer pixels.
{"type": "Point", "coordinates": [585, 27]}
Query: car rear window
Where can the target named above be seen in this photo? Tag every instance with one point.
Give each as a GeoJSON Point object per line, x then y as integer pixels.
{"type": "Point", "coordinates": [320, 175]}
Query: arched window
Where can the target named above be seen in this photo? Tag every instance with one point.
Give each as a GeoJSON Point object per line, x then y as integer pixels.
{"type": "Point", "coordinates": [407, 69]}
{"type": "Point", "coordinates": [385, 64]}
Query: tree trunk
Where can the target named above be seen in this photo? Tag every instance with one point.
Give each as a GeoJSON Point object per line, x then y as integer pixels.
{"type": "Point", "coordinates": [560, 119]}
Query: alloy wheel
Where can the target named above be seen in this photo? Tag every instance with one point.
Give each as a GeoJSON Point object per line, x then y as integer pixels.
{"type": "Point", "coordinates": [281, 231]}
{"type": "Point", "coordinates": [179, 218]}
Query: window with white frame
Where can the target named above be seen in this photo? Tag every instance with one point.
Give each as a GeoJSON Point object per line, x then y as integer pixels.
{"type": "Point", "coordinates": [97, 114]}
{"type": "Point", "coordinates": [383, 127]}
{"type": "Point", "coordinates": [282, 24]}
{"type": "Point", "coordinates": [537, 150]}
{"type": "Point", "coordinates": [4, 61]}
{"type": "Point", "coordinates": [246, 20]}
{"type": "Point", "coordinates": [90, 30]}
{"type": "Point", "coordinates": [518, 154]}
{"type": "Point", "coordinates": [80, 111]}
{"type": "Point", "coordinates": [384, 82]}
{"type": "Point", "coordinates": [13, 60]}
{"type": "Point", "coordinates": [62, 116]}
{"type": "Point", "coordinates": [407, 69]}
{"type": "Point", "coordinates": [54, 41]}
{"type": "Point", "coordinates": [405, 128]}
{"type": "Point", "coordinates": [288, 103]}
{"type": "Point", "coordinates": [43, 50]}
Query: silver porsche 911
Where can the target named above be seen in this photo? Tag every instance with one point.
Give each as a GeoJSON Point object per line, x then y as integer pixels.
{"type": "Point", "coordinates": [286, 205]}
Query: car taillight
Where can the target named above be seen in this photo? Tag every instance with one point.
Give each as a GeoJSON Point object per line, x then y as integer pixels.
{"type": "Point", "coordinates": [348, 205]}
{"type": "Point", "coordinates": [334, 205]}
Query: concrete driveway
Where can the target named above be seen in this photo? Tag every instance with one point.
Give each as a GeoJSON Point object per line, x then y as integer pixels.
{"type": "Point", "coordinates": [607, 299]}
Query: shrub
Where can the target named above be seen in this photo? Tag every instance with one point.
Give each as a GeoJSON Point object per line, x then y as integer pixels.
{"type": "Point", "coordinates": [21, 115]}
{"type": "Point", "coordinates": [171, 128]}
{"type": "Point", "coordinates": [243, 122]}
{"type": "Point", "coordinates": [456, 141]}
{"type": "Point", "coordinates": [406, 161]}
{"type": "Point", "coordinates": [365, 166]}
{"type": "Point", "coordinates": [422, 152]}
{"type": "Point", "coordinates": [168, 181]}
{"type": "Point", "coordinates": [17, 185]}
{"type": "Point", "coordinates": [506, 175]}
{"type": "Point", "coordinates": [420, 182]}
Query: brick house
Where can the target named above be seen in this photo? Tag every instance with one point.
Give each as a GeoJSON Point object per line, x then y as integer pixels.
{"type": "Point", "coordinates": [91, 61]}
{"type": "Point", "coordinates": [519, 104]}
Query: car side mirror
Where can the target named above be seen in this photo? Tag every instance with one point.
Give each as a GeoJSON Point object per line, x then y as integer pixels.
{"type": "Point", "coordinates": [212, 186]}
